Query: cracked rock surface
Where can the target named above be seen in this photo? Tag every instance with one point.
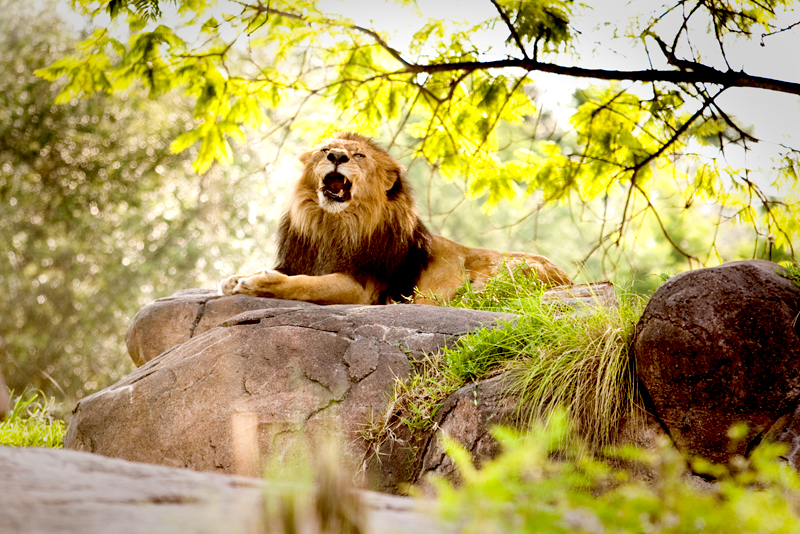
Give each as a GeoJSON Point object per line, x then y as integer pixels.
{"type": "Point", "coordinates": [718, 346]}
{"type": "Point", "coordinates": [290, 376]}
{"type": "Point", "coordinates": [170, 321]}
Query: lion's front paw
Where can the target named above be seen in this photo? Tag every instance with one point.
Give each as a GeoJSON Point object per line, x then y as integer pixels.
{"type": "Point", "coordinates": [229, 285]}
{"type": "Point", "coordinates": [263, 284]}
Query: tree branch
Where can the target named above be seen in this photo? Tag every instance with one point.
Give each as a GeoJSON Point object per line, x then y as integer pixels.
{"type": "Point", "coordinates": [698, 73]}
{"type": "Point", "coordinates": [260, 8]}
{"type": "Point", "coordinates": [770, 34]}
{"type": "Point", "coordinates": [675, 136]}
{"type": "Point", "coordinates": [689, 71]}
{"type": "Point", "coordinates": [664, 231]}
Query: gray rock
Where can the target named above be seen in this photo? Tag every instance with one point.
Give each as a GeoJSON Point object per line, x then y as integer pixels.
{"type": "Point", "coordinates": [49, 491]}
{"type": "Point", "coordinates": [715, 347]}
{"type": "Point", "coordinates": [173, 320]}
{"type": "Point", "coordinates": [224, 379]}
{"type": "Point", "coordinates": [467, 416]}
{"type": "Point", "coordinates": [284, 378]}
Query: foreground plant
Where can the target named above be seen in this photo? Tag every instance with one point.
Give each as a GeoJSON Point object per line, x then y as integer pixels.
{"type": "Point", "coordinates": [312, 493]}
{"type": "Point", "coordinates": [31, 423]}
{"type": "Point", "coordinates": [526, 490]}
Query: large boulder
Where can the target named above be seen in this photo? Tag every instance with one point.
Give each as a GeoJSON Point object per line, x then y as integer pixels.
{"type": "Point", "coordinates": [276, 379]}
{"type": "Point", "coordinates": [173, 320]}
{"type": "Point", "coordinates": [715, 347]}
{"type": "Point", "coordinates": [223, 379]}
{"type": "Point", "coordinates": [49, 491]}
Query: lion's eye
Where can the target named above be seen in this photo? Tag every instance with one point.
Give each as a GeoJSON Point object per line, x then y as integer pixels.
{"type": "Point", "coordinates": [359, 156]}
{"type": "Point", "coordinates": [325, 150]}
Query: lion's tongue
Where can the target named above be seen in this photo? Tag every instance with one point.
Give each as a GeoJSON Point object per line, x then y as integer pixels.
{"type": "Point", "coordinates": [337, 187]}
{"type": "Point", "coordinates": [336, 184]}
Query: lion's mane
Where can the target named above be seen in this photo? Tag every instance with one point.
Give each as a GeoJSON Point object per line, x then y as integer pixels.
{"type": "Point", "coordinates": [379, 237]}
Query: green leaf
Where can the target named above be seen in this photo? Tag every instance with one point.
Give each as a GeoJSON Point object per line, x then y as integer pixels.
{"type": "Point", "coordinates": [185, 140]}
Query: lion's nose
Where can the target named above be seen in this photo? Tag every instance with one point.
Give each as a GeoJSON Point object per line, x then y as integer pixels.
{"type": "Point", "coordinates": [337, 158]}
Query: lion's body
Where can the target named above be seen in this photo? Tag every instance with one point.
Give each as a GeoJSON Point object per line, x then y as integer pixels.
{"type": "Point", "coordinates": [351, 235]}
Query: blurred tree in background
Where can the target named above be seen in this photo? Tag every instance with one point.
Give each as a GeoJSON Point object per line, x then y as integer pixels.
{"type": "Point", "coordinates": [97, 215]}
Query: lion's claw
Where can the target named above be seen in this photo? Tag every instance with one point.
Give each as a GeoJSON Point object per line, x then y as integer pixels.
{"type": "Point", "coordinates": [230, 285]}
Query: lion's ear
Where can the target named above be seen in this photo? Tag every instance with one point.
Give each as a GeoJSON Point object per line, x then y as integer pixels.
{"type": "Point", "coordinates": [398, 175]}
{"type": "Point", "coordinates": [401, 171]}
{"type": "Point", "coordinates": [305, 156]}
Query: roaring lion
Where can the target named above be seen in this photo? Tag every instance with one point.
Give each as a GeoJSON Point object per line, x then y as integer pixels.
{"type": "Point", "coordinates": [351, 235]}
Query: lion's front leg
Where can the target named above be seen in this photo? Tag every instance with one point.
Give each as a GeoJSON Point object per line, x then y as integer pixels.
{"type": "Point", "coordinates": [334, 288]}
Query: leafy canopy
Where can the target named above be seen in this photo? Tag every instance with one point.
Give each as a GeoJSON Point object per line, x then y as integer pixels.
{"type": "Point", "coordinates": [287, 64]}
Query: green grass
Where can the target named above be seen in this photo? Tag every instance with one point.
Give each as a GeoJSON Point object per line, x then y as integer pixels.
{"type": "Point", "coordinates": [31, 423]}
{"type": "Point", "coordinates": [581, 363]}
{"type": "Point", "coordinates": [555, 357]}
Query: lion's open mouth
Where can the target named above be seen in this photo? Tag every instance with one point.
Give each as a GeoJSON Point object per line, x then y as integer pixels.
{"type": "Point", "coordinates": [336, 187]}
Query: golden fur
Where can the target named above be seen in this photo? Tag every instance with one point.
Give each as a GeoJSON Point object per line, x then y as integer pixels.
{"type": "Point", "coordinates": [351, 235]}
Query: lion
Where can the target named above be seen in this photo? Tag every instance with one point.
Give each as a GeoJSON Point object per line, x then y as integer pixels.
{"type": "Point", "coordinates": [351, 235]}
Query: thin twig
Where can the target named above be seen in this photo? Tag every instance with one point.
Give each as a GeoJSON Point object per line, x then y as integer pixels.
{"type": "Point", "coordinates": [511, 28]}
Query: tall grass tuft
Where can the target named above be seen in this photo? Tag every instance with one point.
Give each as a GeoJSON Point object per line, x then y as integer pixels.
{"type": "Point", "coordinates": [578, 359]}
{"type": "Point", "coordinates": [584, 365]}
{"type": "Point", "coordinates": [312, 490]}
{"type": "Point", "coordinates": [32, 423]}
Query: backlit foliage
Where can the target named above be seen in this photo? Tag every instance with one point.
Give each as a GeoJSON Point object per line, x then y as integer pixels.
{"type": "Point", "coordinates": [446, 94]}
